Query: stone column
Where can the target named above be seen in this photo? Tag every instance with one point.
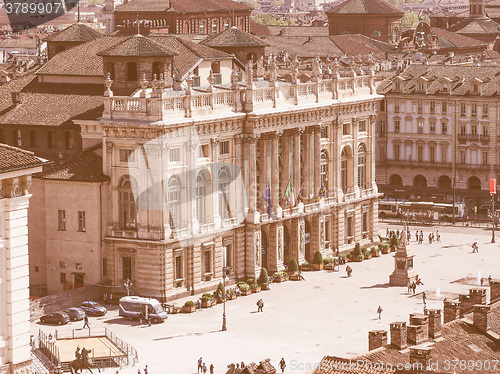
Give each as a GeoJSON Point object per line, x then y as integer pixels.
{"type": "Point", "coordinates": [316, 161]}
{"type": "Point", "coordinates": [337, 158]}
{"type": "Point", "coordinates": [308, 163]}
{"type": "Point", "coordinates": [287, 164]}
{"type": "Point", "coordinates": [355, 127]}
{"type": "Point", "coordinates": [372, 152]}
{"type": "Point", "coordinates": [296, 162]}
{"type": "Point", "coordinates": [265, 164]}
{"type": "Point", "coordinates": [236, 199]}
{"type": "Point", "coordinates": [274, 170]}
{"type": "Point", "coordinates": [191, 148]}
{"type": "Point", "coordinates": [252, 174]}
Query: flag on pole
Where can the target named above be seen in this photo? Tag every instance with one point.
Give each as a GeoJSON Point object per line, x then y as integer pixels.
{"type": "Point", "coordinates": [322, 190]}
{"type": "Point", "coordinates": [267, 199]}
{"type": "Point", "coordinates": [299, 196]}
{"type": "Point", "coordinates": [493, 186]}
{"type": "Point", "coordinates": [289, 194]}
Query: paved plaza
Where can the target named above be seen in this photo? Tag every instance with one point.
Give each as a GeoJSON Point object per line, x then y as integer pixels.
{"type": "Point", "coordinates": [328, 314]}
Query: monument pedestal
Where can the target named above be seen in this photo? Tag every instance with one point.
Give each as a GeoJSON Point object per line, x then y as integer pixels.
{"type": "Point", "coordinates": [403, 267]}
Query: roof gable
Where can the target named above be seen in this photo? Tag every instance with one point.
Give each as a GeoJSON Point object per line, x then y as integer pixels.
{"type": "Point", "coordinates": [77, 32]}
{"type": "Point", "coordinates": [233, 37]}
{"type": "Point", "coordinates": [136, 45]}
{"type": "Point", "coordinates": [181, 6]}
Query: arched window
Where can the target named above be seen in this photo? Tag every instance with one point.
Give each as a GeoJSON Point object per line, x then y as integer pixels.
{"type": "Point", "coordinates": [214, 27]}
{"type": "Point", "coordinates": [376, 34]}
{"type": "Point", "coordinates": [226, 24]}
{"type": "Point", "coordinates": [343, 170]}
{"type": "Point", "coordinates": [395, 180]}
{"type": "Point", "coordinates": [362, 167]}
{"type": "Point", "coordinates": [474, 183]}
{"type": "Point", "coordinates": [444, 182]}
{"type": "Point", "coordinates": [131, 71]}
{"type": "Point", "coordinates": [127, 207]}
{"type": "Point", "coordinates": [201, 28]}
{"type": "Point", "coordinates": [224, 198]}
{"type": "Point", "coordinates": [110, 68]}
{"type": "Point", "coordinates": [174, 202]}
{"type": "Point", "coordinates": [202, 191]}
{"type": "Point", "coordinates": [157, 69]}
{"type": "Point", "coordinates": [420, 181]}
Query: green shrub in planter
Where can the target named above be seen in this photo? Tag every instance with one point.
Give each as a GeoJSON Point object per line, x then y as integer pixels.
{"type": "Point", "coordinates": [318, 258]}
{"type": "Point", "coordinates": [189, 303]}
{"type": "Point", "coordinates": [357, 249]}
{"type": "Point", "coordinates": [305, 264]}
{"type": "Point", "coordinates": [363, 250]}
{"type": "Point", "coordinates": [251, 282]}
{"type": "Point", "coordinates": [327, 260]}
{"type": "Point", "coordinates": [394, 241]}
{"type": "Point", "coordinates": [293, 265]}
{"type": "Point", "coordinates": [242, 284]}
{"type": "Point", "coordinates": [263, 277]}
{"type": "Point", "coordinates": [244, 287]}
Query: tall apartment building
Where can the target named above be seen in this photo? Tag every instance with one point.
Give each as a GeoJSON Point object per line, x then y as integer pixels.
{"type": "Point", "coordinates": [437, 130]}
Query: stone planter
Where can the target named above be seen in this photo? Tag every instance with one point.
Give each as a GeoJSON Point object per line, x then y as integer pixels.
{"type": "Point", "coordinates": [281, 279]}
{"type": "Point", "coordinates": [207, 303]}
{"type": "Point", "coordinates": [295, 277]}
{"type": "Point", "coordinates": [394, 249]}
{"type": "Point", "coordinates": [368, 255]}
{"type": "Point", "coordinates": [265, 287]}
{"type": "Point", "coordinates": [305, 268]}
{"type": "Point", "coordinates": [290, 273]}
{"type": "Point", "coordinates": [329, 266]}
{"type": "Point", "coordinates": [318, 267]}
{"type": "Point", "coordinates": [386, 250]}
{"type": "Point", "coordinates": [231, 297]}
{"type": "Point", "coordinates": [175, 310]}
{"type": "Point", "coordinates": [376, 254]}
{"type": "Point", "coordinates": [246, 292]}
{"type": "Point", "coordinates": [357, 258]}
{"type": "Point", "coordinates": [256, 289]}
{"type": "Point", "coordinates": [188, 309]}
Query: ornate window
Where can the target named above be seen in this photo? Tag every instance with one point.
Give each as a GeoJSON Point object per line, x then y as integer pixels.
{"type": "Point", "coordinates": [224, 198]}
{"type": "Point", "coordinates": [202, 190]}
{"type": "Point", "coordinates": [174, 202]}
{"type": "Point", "coordinates": [214, 27]}
{"type": "Point", "coordinates": [323, 166]}
{"type": "Point", "coordinates": [362, 167]}
{"type": "Point", "coordinates": [127, 207]}
{"type": "Point", "coordinates": [343, 170]}
{"type": "Point", "coordinates": [202, 29]}
{"type": "Point", "coordinates": [376, 34]}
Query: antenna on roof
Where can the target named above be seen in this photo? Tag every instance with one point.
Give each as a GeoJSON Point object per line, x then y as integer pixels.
{"type": "Point", "coordinates": [138, 30]}
{"type": "Point", "coordinates": [78, 6]}
{"type": "Point", "coordinates": [233, 17]}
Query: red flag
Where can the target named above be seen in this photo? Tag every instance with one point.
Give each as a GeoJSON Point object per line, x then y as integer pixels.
{"type": "Point", "coordinates": [493, 186]}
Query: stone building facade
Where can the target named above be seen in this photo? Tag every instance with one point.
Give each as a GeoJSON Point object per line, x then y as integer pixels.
{"type": "Point", "coordinates": [437, 129]}
{"type": "Point", "coordinates": [201, 176]}
{"type": "Point", "coordinates": [15, 178]}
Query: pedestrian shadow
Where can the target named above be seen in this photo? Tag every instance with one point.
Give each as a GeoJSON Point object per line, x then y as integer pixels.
{"type": "Point", "coordinates": [255, 311]}
{"type": "Point", "coordinates": [121, 321]}
{"type": "Point", "coordinates": [380, 285]}
{"type": "Point", "coordinates": [188, 334]}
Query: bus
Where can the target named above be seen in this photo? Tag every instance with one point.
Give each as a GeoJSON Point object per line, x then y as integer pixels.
{"type": "Point", "coordinates": [423, 211]}
{"type": "Point", "coordinates": [135, 307]}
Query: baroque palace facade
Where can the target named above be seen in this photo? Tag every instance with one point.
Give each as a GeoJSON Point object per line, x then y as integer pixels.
{"type": "Point", "coordinates": [438, 129]}
{"type": "Point", "coordinates": [199, 174]}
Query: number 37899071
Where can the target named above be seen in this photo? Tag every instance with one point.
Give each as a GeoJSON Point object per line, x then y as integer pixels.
{"type": "Point", "coordinates": [33, 7]}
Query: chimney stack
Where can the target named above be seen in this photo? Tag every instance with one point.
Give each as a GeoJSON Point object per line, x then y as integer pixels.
{"type": "Point", "coordinates": [15, 98]}
{"type": "Point", "coordinates": [451, 310]}
{"type": "Point", "coordinates": [477, 295]}
{"type": "Point", "coordinates": [434, 323]}
{"type": "Point", "coordinates": [481, 317]}
{"type": "Point", "coordinates": [465, 304]}
{"type": "Point", "coordinates": [418, 329]}
{"type": "Point", "coordinates": [420, 358]}
{"type": "Point", "coordinates": [494, 290]}
{"type": "Point", "coordinates": [399, 335]}
{"type": "Point", "coordinates": [377, 339]}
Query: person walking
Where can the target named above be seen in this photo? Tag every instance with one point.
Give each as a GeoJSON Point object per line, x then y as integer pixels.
{"type": "Point", "coordinates": [409, 286]}
{"type": "Point", "coordinates": [413, 287]}
{"type": "Point", "coordinates": [200, 364]}
{"type": "Point", "coordinates": [379, 311]}
{"type": "Point", "coordinates": [438, 236]}
{"type": "Point", "coordinates": [301, 276]}
{"type": "Point", "coordinates": [211, 368]}
{"type": "Point", "coordinates": [348, 269]}
{"type": "Point", "coordinates": [260, 305]}
{"type": "Point", "coordinates": [86, 322]}
{"type": "Point", "coordinates": [282, 365]}
{"type": "Point", "coordinates": [204, 368]}
{"type": "Point", "coordinates": [475, 248]}
{"type": "Point", "coordinates": [424, 298]}
{"type": "Point", "coordinates": [149, 320]}
{"type": "Point", "coordinates": [146, 370]}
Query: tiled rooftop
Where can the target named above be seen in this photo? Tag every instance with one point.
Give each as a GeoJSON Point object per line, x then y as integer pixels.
{"type": "Point", "coordinates": [365, 7]}
{"type": "Point", "coordinates": [181, 6]}
{"type": "Point", "coordinates": [12, 158]}
{"type": "Point", "coordinates": [231, 38]}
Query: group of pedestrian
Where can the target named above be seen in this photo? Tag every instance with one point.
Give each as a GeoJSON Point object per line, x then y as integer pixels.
{"type": "Point", "coordinates": [107, 298]}
{"type": "Point", "coordinates": [412, 286]}
{"type": "Point", "coordinates": [202, 367]}
{"type": "Point", "coordinates": [145, 370]}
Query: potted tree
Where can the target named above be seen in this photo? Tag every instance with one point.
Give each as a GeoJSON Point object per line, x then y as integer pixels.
{"type": "Point", "coordinates": [293, 266]}
{"type": "Point", "coordinates": [384, 247]}
{"type": "Point", "coordinates": [175, 309]}
{"type": "Point", "coordinates": [367, 253]}
{"type": "Point", "coordinates": [253, 285]}
{"type": "Point", "coordinates": [394, 243]}
{"type": "Point", "coordinates": [318, 261]}
{"type": "Point", "coordinates": [375, 250]}
{"type": "Point", "coordinates": [207, 300]}
{"type": "Point", "coordinates": [356, 254]}
{"type": "Point", "coordinates": [263, 280]}
{"type": "Point", "coordinates": [329, 263]}
{"type": "Point", "coordinates": [280, 276]}
{"type": "Point", "coordinates": [219, 293]}
{"type": "Point", "coordinates": [305, 266]}
{"type": "Point", "coordinates": [230, 294]}
{"type": "Point", "coordinates": [244, 288]}
{"type": "Point", "coordinates": [189, 307]}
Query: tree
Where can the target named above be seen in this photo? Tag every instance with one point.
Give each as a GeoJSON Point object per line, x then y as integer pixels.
{"type": "Point", "coordinates": [409, 19]}
{"type": "Point", "coordinates": [293, 265]}
{"type": "Point", "coordinates": [269, 20]}
{"type": "Point", "coordinates": [263, 277]}
{"type": "Point", "coordinates": [252, 3]}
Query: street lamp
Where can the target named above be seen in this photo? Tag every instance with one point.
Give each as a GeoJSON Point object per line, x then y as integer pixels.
{"type": "Point", "coordinates": [224, 270]}
{"type": "Point", "coordinates": [128, 284]}
{"type": "Point", "coordinates": [454, 180]}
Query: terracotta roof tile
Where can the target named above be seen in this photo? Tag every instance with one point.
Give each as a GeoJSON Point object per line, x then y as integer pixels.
{"type": "Point", "coordinates": [259, 29]}
{"type": "Point", "coordinates": [83, 167]}
{"type": "Point", "coordinates": [450, 39]}
{"type": "Point", "coordinates": [136, 45]}
{"type": "Point", "coordinates": [231, 38]}
{"type": "Point", "coordinates": [365, 7]}
{"type": "Point", "coordinates": [74, 33]}
{"type": "Point", "coordinates": [12, 158]}
{"type": "Point", "coordinates": [475, 26]}
{"type": "Point", "coordinates": [298, 30]}
{"type": "Point", "coordinates": [181, 6]}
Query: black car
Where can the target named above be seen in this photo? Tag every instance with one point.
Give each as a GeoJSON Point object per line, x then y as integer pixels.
{"type": "Point", "coordinates": [57, 318]}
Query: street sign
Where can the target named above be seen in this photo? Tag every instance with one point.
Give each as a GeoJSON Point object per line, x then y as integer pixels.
{"type": "Point", "coordinates": [493, 186]}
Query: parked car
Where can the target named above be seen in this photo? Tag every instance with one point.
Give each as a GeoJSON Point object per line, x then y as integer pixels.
{"type": "Point", "coordinates": [59, 318]}
{"type": "Point", "coordinates": [93, 308]}
{"type": "Point", "coordinates": [75, 314]}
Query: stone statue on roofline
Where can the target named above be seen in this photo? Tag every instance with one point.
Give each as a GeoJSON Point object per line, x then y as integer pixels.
{"type": "Point", "coordinates": [249, 73]}
{"type": "Point", "coordinates": [316, 69]}
{"type": "Point", "coordinates": [273, 75]}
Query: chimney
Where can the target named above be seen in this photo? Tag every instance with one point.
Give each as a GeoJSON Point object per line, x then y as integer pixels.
{"type": "Point", "coordinates": [477, 296]}
{"type": "Point", "coordinates": [481, 316]}
{"type": "Point", "coordinates": [494, 290]}
{"type": "Point", "coordinates": [399, 335]}
{"type": "Point", "coordinates": [418, 329]}
{"type": "Point", "coordinates": [377, 339]}
{"type": "Point", "coordinates": [420, 358]}
{"type": "Point", "coordinates": [15, 98]}
{"type": "Point", "coordinates": [465, 304]}
{"type": "Point", "coordinates": [434, 323]}
{"type": "Point", "coordinates": [451, 310]}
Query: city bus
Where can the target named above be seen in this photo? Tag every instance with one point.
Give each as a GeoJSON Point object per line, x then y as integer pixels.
{"type": "Point", "coordinates": [421, 210]}
{"type": "Point", "coordinates": [389, 209]}
{"type": "Point", "coordinates": [135, 307]}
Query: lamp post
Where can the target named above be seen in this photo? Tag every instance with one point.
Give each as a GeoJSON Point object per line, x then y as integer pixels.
{"type": "Point", "coordinates": [454, 179]}
{"type": "Point", "coordinates": [224, 269]}
{"type": "Point", "coordinates": [128, 284]}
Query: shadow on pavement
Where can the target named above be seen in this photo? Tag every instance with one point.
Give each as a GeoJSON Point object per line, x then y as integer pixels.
{"type": "Point", "coordinates": [121, 321]}
{"type": "Point", "coordinates": [380, 285]}
{"type": "Point", "coordinates": [188, 334]}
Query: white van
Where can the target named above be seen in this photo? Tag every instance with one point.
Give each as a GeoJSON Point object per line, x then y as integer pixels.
{"type": "Point", "coordinates": [132, 307]}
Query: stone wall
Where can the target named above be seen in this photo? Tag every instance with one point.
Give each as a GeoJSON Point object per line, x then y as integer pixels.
{"type": "Point", "coordinates": [63, 300]}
